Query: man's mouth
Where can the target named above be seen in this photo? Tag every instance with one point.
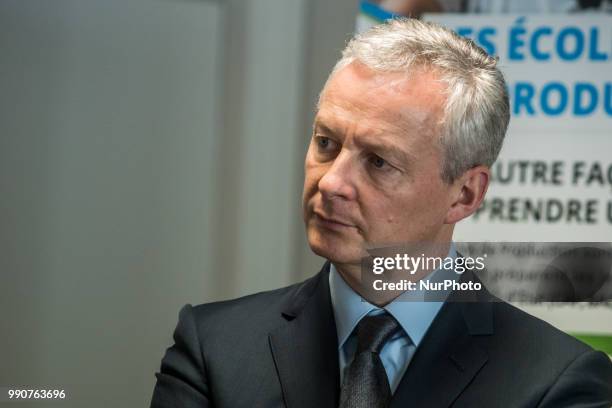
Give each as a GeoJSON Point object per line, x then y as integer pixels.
{"type": "Point", "coordinates": [331, 222]}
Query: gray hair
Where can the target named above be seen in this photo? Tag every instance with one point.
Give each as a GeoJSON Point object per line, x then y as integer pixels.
{"type": "Point", "coordinates": [477, 110]}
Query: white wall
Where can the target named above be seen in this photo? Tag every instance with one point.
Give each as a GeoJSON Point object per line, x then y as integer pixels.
{"type": "Point", "coordinates": [106, 173]}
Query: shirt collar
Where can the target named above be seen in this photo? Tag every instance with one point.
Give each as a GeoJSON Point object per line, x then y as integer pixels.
{"type": "Point", "coordinates": [414, 316]}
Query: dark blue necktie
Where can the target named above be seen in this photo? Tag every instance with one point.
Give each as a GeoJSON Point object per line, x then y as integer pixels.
{"type": "Point", "coordinates": [366, 384]}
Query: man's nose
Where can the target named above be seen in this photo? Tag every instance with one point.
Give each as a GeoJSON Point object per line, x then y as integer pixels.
{"type": "Point", "coordinates": [338, 180]}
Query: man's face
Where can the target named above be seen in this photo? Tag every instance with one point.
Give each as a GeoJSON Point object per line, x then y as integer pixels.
{"type": "Point", "coordinates": [373, 167]}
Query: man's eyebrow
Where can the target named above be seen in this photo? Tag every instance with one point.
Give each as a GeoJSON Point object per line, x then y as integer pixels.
{"type": "Point", "coordinates": [387, 150]}
{"type": "Point", "coordinates": [319, 125]}
{"type": "Point", "coordinates": [378, 147]}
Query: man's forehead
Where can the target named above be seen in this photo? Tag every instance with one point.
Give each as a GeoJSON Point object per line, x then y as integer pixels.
{"type": "Point", "coordinates": [405, 100]}
{"type": "Point", "coordinates": [419, 81]}
{"type": "Point", "coordinates": [335, 114]}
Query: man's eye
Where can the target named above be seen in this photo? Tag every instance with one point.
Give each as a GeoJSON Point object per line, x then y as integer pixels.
{"type": "Point", "coordinates": [378, 162]}
{"type": "Point", "coordinates": [324, 143]}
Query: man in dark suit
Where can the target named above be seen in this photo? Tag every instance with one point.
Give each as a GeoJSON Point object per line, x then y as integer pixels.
{"type": "Point", "coordinates": [408, 125]}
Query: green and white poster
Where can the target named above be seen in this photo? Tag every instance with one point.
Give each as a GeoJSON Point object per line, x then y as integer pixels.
{"type": "Point", "coordinates": [553, 179]}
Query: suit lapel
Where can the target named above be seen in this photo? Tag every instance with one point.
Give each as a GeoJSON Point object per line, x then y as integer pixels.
{"type": "Point", "coordinates": [449, 356]}
{"type": "Point", "coordinates": [305, 347]}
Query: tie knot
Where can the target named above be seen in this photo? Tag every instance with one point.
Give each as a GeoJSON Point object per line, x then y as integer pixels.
{"type": "Point", "coordinates": [374, 331]}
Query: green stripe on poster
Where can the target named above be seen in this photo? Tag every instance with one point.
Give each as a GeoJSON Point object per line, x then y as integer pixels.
{"type": "Point", "coordinates": [601, 342]}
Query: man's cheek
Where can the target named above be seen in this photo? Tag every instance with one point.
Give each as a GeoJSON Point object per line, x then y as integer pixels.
{"type": "Point", "coordinates": [310, 190]}
{"type": "Point", "coordinates": [313, 177]}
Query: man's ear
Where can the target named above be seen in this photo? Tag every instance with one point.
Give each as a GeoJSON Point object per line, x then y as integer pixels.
{"type": "Point", "coordinates": [470, 190]}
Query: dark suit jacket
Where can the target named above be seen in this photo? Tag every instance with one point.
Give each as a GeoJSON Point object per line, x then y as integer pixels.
{"type": "Point", "coordinates": [279, 349]}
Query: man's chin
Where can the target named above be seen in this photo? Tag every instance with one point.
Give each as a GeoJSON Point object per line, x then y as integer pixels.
{"type": "Point", "coordinates": [336, 253]}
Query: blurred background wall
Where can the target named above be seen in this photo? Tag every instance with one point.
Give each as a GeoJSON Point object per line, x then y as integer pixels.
{"type": "Point", "coordinates": [150, 156]}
